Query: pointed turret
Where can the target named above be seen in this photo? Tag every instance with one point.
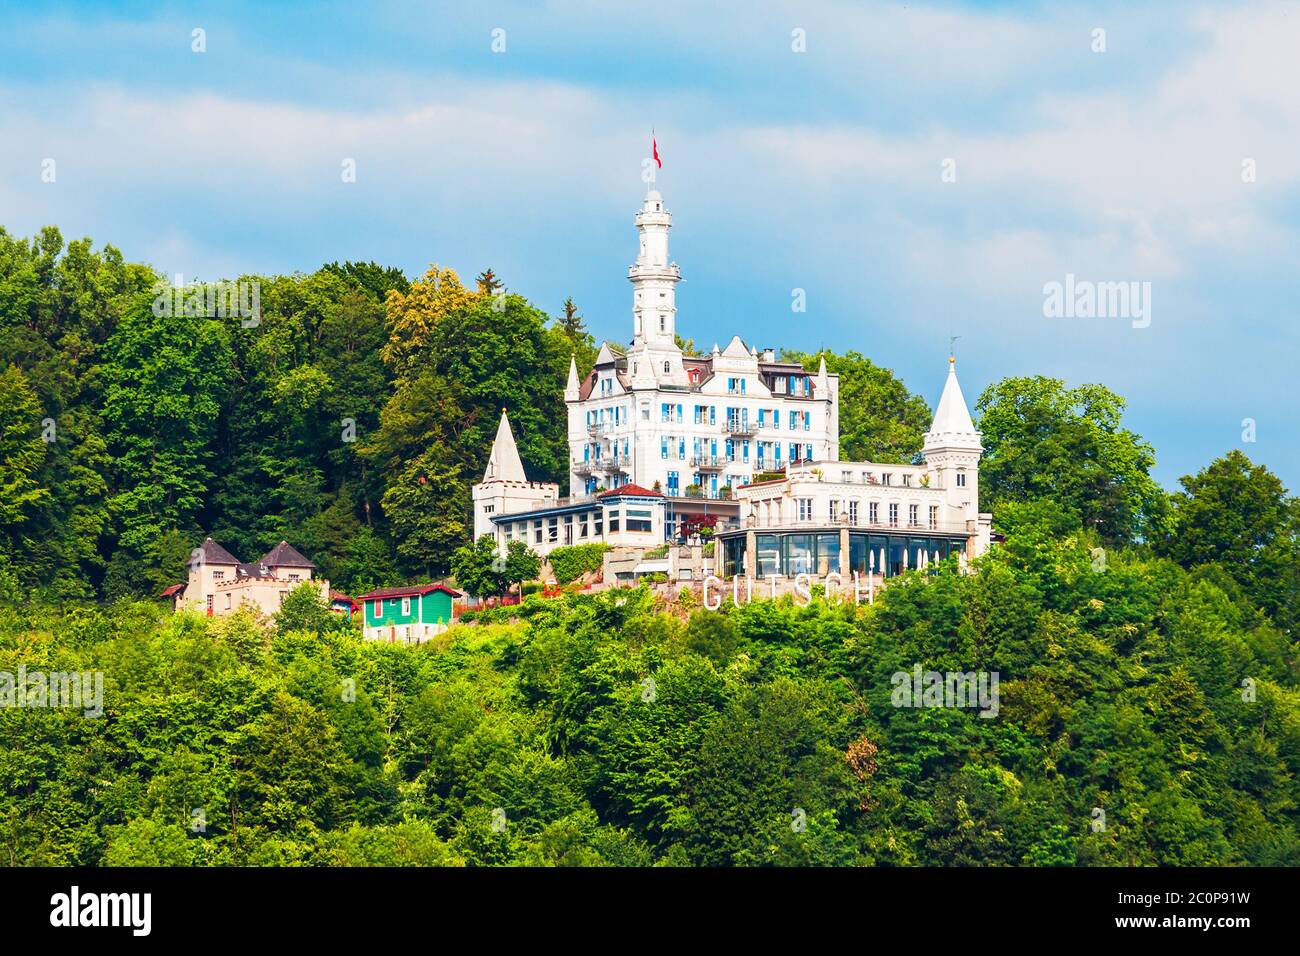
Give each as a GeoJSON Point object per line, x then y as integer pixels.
{"type": "Point", "coordinates": [571, 389]}
{"type": "Point", "coordinates": [952, 426]}
{"type": "Point", "coordinates": [504, 463]}
{"type": "Point", "coordinates": [821, 385]}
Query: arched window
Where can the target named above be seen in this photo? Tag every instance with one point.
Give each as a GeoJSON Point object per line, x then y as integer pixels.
{"type": "Point", "coordinates": [667, 367]}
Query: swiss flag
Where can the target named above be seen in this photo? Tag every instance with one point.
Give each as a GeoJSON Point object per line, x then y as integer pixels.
{"type": "Point", "coordinates": [654, 143]}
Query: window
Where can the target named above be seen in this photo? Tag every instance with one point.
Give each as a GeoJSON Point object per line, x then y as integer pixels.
{"type": "Point", "coordinates": [912, 520]}
{"type": "Point", "coordinates": [853, 512]}
{"type": "Point", "coordinates": [907, 481]}
{"type": "Point", "coordinates": [661, 328]}
{"type": "Point", "coordinates": [835, 509]}
{"type": "Point", "coordinates": [218, 575]}
{"type": "Point", "coordinates": [613, 521]}
{"type": "Point", "coordinates": [293, 578]}
{"type": "Point", "coordinates": [893, 515]}
{"type": "Point", "coordinates": [961, 479]}
{"type": "Point", "coordinates": [667, 368]}
{"type": "Point", "coordinates": [376, 609]}
{"type": "Point", "coordinates": [886, 478]}
{"type": "Point", "coordinates": [406, 606]}
{"type": "Point", "coordinates": [638, 519]}
{"type": "Point", "coordinates": [934, 516]}
{"type": "Point", "coordinates": [227, 600]}
{"type": "Point", "coordinates": [873, 512]}
{"type": "Point", "coordinates": [805, 508]}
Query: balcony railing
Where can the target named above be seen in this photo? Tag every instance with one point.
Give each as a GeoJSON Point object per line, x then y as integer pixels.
{"type": "Point", "coordinates": [920, 529]}
{"type": "Point", "coordinates": [741, 428]}
{"type": "Point", "coordinates": [708, 462]}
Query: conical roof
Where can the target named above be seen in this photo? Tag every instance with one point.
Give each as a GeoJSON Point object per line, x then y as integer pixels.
{"type": "Point", "coordinates": [504, 464]}
{"type": "Point", "coordinates": [952, 422]}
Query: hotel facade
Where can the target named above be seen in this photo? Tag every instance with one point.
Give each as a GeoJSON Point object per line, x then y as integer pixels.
{"type": "Point", "coordinates": [656, 435]}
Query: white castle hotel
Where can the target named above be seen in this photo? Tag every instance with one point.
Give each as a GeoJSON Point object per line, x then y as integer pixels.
{"type": "Point", "coordinates": [656, 435]}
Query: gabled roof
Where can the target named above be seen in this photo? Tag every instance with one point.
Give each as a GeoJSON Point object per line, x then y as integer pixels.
{"type": "Point", "coordinates": [213, 553]}
{"type": "Point", "coordinates": [504, 463]}
{"type": "Point", "coordinates": [173, 589]}
{"type": "Point", "coordinates": [736, 349]}
{"type": "Point", "coordinates": [629, 490]}
{"type": "Point", "coordinates": [285, 555]}
{"type": "Point", "coordinates": [413, 590]}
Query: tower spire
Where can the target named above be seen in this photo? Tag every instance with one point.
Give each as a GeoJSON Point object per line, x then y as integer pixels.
{"type": "Point", "coordinates": [952, 425]}
{"type": "Point", "coordinates": [571, 389]}
{"type": "Point", "coordinates": [504, 464]}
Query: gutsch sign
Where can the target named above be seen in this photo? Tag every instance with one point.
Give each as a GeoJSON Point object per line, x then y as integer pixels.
{"type": "Point", "coordinates": [836, 584]}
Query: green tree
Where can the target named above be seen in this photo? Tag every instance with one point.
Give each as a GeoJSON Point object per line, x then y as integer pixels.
{"type": "Point", "coordinates": [478, 568]}
{"type": "Point", "coordinates": [1237, 514]}
{"type": "Point", "coordinates": [1043, 440]}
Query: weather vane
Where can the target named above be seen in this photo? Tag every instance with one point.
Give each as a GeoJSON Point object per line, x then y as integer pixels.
{"type": "Point", "coordinates": [952, 340]}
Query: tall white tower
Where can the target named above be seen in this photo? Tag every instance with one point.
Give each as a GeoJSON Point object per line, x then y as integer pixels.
{"type": "Point", "coordinates": [654, 278]}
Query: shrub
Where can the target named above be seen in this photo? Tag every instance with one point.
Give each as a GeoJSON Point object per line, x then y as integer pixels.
{"type": "Point", "coordinates": [573, 561]}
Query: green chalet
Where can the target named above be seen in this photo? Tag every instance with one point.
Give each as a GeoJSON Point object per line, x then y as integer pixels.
{"type": "Point", "coordinates": [408, 614]}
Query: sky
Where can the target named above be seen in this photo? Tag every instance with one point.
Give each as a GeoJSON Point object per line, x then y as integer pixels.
{"type": "Point", "coordinates": [920, 171]}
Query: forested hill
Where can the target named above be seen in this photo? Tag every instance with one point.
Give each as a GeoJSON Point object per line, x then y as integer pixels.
{"type": "Point", "coordinates": [351, 414]}
{"type": "Point", "coordinates": [1147, 715]}
{"type": "Point", "coordinates": [349, 418]}
{"type": "Point", "coordinates": [1145, 642]}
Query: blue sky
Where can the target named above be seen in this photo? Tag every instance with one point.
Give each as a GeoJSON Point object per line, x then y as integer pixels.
{"type": "Point", "coordinates": [818, 170]}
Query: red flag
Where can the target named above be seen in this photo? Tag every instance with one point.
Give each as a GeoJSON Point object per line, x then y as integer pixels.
{"type": "Point", "coordinates": [655, 144]}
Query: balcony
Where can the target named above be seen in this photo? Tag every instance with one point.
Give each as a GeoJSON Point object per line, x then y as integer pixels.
{"type": "Point", "coordinates": [584, 467]}
{"type": "Point", "coordinates": [741, 428]}
{"type": "Point", "coordinates": [708, 462]}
